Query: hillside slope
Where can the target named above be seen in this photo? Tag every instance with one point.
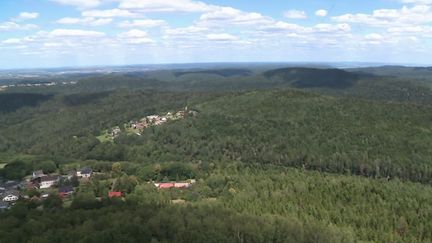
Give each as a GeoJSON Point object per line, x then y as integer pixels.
{"type": "Point", "coordinates": [314, 78]}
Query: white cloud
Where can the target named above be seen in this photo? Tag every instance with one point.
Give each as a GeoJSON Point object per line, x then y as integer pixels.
{"type": "Point", "coordinates": [222, 37]}
{"type": "Point", "coordinates": [110, 13]}
{"type": "Point", "coordinates": [27, 15]}
{"type": "Point", "coordinates": [11, 41]}
{"type": "Point", "coordinates": [374, 37]}
{"type": "Point", "coordinates": [295, 14]}
{"type": "Point", "coordinates": [186, 31]}
{"type": "Point", "coordinates": [75, 33]}
{"type": "Point", "coordinates": [85, 21]}
{"type": "Point", "coordinates": [417, 2]}
{"type": "Point", "coordinates": [390, 17]}
{"type": "Point", "coordinates": [278, 26]}
{"type": "Point", "coordinates": [52, 44]}
{"type": "Point", "coordinates": [142, 23]}
{"type": "Point", "coordinates": [135, 33]}
{"type": "Point", "coordinates": [410, 29]}
{"type": "Point", "coordinates": [68, 21]}
{"type": "Point", "coordinates": [12, 26]}
{"type": "Point", "coordinates": [135, 36]}
{"type": "Point", "coordinates": [332, 28]}
{"type": "Point", "coordinates": [228, 15]}
{"type": "Point", "coordinates": [82, 4]}
{"type": "Point", "coordinates": [321, 13]}
{"type": "Point", "coordinates": [166, 5]}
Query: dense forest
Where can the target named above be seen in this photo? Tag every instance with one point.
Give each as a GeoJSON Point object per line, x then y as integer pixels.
{"type": "Point", "coordinates": [283, 155]}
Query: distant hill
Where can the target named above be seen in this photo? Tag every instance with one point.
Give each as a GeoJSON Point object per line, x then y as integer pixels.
{"type": "Point", "coordinates": [314, 78]}
{"type": "Point", "coordinates": [10, 102]}
{"type": "Point", "coordinates": [423, 73]}
{"type": "Point", "coordinates": [220, 72]}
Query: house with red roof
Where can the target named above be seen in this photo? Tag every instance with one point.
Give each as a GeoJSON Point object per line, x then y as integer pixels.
{"type": "Point", "coordinates": [166, 185]}
{"type": "Point", "coordinates": [115, 194]}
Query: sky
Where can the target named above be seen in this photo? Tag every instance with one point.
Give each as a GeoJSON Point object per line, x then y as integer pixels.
{"type": "Point", "coordinates": [58, 33]}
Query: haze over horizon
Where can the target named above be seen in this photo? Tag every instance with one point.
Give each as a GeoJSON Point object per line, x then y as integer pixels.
{"type": "Point", "coordinates": [65, 33]}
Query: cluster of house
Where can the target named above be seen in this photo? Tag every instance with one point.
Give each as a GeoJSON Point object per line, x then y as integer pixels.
{"type": "Point", "coordinates": [115, 132]}
{"type": "Point", "coordinates": [153, 120]}
{"type": "Point", "coordinates": [157, 120]}
{"type": "Point", "coordinates": [47, 84]}
{"type": "Point", "coordinates": [42, 181]}
{"type": "Point", "coordinates": [179, 185]}
{"type": "Point", "coordinates": [9, 194]}
{"type": "Point", "coordinates": [10, 191]}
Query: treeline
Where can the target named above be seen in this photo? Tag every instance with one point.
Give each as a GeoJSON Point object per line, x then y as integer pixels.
{"type": "Point", "coordinates": [376, 210]}
{"type": "Point", "coordinates": [158, 223]}
{"type": "Point", "coordinates": [404, 86]}
{"type": "Point", "coordinates": [230, 202]}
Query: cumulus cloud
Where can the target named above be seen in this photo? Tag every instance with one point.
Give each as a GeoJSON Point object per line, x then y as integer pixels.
{"type": "Point", "coordinates": [75, 33]}
{"type": "Point", "coordinates": [142, 23]}
{"type": "Point", "coordinates": [12, 26]}
{"type": "Point", "coordinates": [332, 28]}
{"type": "Point", "coordinates": [227, 15]}
{"type": "Point", "coordinates": [410, 29]}
{"type": "Point", "coordinates": [85, 21]}
{"type": "Point", "coordinates": [216, 27]}
{"type": "Point", "coordinates": [186, 31]}
{"type": "Point", "coordinates": [295, 14]}
{"type": "Point", "coordinates": [417, 2]}
{"type": "Point", "coordinates": [222, 37]}
{"type": "Point", "coordinates": [110, 13]}
{"type": "Point", "coordinates": [166, 5]}
{"type": "Point", "coordinates": [390, 17]}
{"type": "Point", "coordinates": [11, 41]}
{"type": "Point", "coordinates": [321, 13]}
{"type": "Point", "coordinates": [27, 16]}
{"type": "Point", "coordinates": [135, 36]}
{"type": "Point", "coordinates": [82, 4]}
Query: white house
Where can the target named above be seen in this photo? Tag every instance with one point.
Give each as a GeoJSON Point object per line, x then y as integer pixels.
{"type": "Point", "coordinates": [10, 197]}
{"type": "Point", "coordinates": [85, 172]}
{"type": "Point", "coordinates": [38, 174]}
{"type": "Point", "coordinates": [48, 181]}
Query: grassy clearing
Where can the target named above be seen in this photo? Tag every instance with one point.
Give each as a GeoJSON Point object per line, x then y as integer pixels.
{"type": "Point", "coordinates": [104, 137]}
{"type": "Point", "coordinates": [6, 158]}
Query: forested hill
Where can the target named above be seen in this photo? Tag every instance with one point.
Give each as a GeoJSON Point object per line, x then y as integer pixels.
{"type": "Point", "coordinates": [315, 78]}
{"type": "Point", "coordinates": [359, 83]}
{"type": "Point", "coordinates": [397, 71]}
{"type": "Point", "coordinates": [291, 128]}
{"type": "Point", "coordinates": [220, 72]}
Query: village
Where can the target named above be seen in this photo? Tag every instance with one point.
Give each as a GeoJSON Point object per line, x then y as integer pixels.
{"type": "Point", "coordinates": [44, 84]}
{"type": "Point", "coordinates": [137, 127]}
{"type": "Point", "coordinates": [39, 186]}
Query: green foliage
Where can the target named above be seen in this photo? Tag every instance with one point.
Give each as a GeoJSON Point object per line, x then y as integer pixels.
{"type": "Point", "coordinates": [53, 201]}
{"type": "Point", "coordinates": [85, 200]}
{"type": "Point", "coordinates": [314, 78]}
{"type": "Point", "coordinates": [303, 130]}
{"type": "Point", "coordinates": [170, 171]}
{"type": "Point", "coordinates": [15, 170]}
{"type": "Point", "coordinates": [47, 166]}
{"type": "Point", "coordinates": [375, 210]}
{"type": "Point", "coordinates": [14, 101]}
{"type": "Point", "coordinates": [164, 224]}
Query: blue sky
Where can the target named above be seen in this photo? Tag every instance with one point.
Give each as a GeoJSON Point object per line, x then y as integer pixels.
{"type": "Point", "coordinates": [53, 33]}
